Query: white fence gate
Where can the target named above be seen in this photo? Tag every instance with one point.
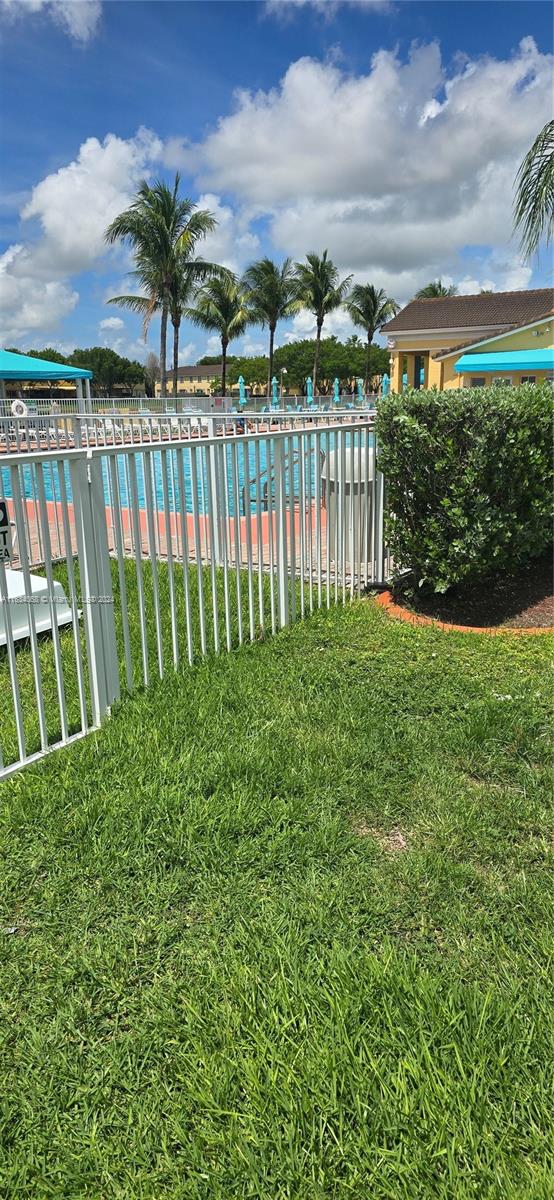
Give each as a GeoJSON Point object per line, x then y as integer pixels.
{"type": "Point", "coordinates": [135, 558]}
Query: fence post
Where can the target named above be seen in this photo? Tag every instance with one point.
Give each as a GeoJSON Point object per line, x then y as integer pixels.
{"type": "Point", "coordinates": [215, 490]}
{"type": "Point", "coordinates": [96, 583]}
{"type": "Point", "coordinates": [379, 516]}
{"type": "Point", "coordinates": [281, 516]}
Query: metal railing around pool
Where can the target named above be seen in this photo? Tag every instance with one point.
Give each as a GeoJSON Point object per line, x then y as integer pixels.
{"type": "Point", "coordinates": [125, 560]}
{"type": "Point", "coordinates": [31, 434]}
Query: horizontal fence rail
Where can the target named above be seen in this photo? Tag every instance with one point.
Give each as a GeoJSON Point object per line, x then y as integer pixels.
{"type": "Point", "coordinates": [154, 555]}
{"type": "Point", "coordinates": [181, 405]}
{"type": "Point", "coordinates": [27, 435]}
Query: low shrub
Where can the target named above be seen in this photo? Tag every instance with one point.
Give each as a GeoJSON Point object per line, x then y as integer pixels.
{"type": "Point", "coordinates": [469, 480]}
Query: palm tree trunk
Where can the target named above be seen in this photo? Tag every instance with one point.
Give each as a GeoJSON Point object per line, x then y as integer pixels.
{"type": "Point", "coordinates": [163, 352]}
{"type": "Point", "coordinates": [270, 368]}
{"type": "Point", "coordinates": [366, 378]}
{"type": "Point", "coordinates": [175, 357]}
{"type": "Point", "coordinates": [370, 336]}
{"type": "Point", "coordinates": [224, 344]}
{"type": "Point", "coordinates": [316, 357]}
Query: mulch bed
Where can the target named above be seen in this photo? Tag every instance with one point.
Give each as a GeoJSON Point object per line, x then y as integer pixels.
{"type": "Point", "coordinates": [523, 601]}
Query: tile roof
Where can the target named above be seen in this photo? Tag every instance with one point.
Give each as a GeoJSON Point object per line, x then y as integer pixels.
{"type": "Point", "coordinates": [204, 370]}
{"type": "Point", "coordinates": [487, 338]}
{"type": "Point", "coordinates": [484, 310]}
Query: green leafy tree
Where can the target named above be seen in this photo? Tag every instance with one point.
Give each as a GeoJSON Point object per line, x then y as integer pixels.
{"type": "Point", "coordinates": [49, 354]}
{"type": "Point", "coordinates": [151, 373]}
{"type": "Point", "coordinates": [436, 288]}
{"type": "Point", "coordinates": [163, 230]}
{"type": "Point", "coordinates": [253, 370]}
{"type": "Point", "coordinates": [534, 201]}
{"type": "Point", "coordinates": [369, 308]}
{"type": "Point", "coordinates": [338, 360]}
{"type": "Point", "coordinates": [109, 369]}
{"type": "Point", "coordinates": [271, 296]}
{"type": "Point", "coordinates": [220, 307]}
{"type": "Point", "coordinates": [210, 360]}
{"type": "Point", "coordinates": [320, 291]}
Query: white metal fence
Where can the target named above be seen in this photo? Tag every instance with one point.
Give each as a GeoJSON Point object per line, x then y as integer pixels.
{"type": "Point", "coordinates": [121, 407]}
{"type": "Point", "coordinates": [26, 435]}
{"type": "Point", "coordinates": [153, 555]}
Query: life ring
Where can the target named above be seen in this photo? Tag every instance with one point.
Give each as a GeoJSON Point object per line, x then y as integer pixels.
{"type": "Point", "coordinates": [19, 409]}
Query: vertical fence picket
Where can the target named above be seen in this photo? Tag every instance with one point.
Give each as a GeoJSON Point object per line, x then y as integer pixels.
{"type": "Point", "coordinates": [185, 551]}
{"type": "Point", "coordinates": [137, 540]}
{"type": "Point", "coordinates": [10, 646]}
{"type": "Point", "coordinates": [212, 521]}
{"type": "Point", "coordinates": [119, 552]}
{"type": "Point", "coordinates": [169, 553]}
{"type": "Point", "coordinates": [193, 450]}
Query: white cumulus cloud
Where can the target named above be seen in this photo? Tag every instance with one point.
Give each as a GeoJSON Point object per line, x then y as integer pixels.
{"type": "Point", "coordinates": [186, 354]}
{"type": "Point", "coordinates": [285, 9]}
{"type": "Point", "coordinates": [72, 206]}
{"type": "Point", "coordinates": [394, 170]}
{"type": "Point", "coordinates": [112, 323]}
{"type": "Point", "coordinates": [30, 304]}
{"type": "Point", "coordinates": [80, 19]}
{"type": "Point", "coordinates": [75, 204]}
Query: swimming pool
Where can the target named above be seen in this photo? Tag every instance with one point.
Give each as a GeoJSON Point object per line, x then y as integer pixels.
{"type": "Point", "coordinates": [243, 461]}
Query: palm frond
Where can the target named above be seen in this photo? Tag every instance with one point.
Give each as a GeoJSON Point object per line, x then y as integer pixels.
{"type": "Point", "coordinates": [534, 200]}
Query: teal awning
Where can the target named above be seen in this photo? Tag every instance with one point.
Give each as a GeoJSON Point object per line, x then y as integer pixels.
{"type": "Point", "coordinates": [507, 361]}
{"type": "Point", "coordinates": [21, 366]}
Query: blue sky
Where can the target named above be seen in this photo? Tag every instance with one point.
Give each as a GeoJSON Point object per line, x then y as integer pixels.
{"type": "Point", "coordinates": [388, 132]}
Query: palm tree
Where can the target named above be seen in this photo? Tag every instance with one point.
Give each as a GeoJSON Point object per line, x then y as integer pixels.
{"type": "Point", "coordinates": [160, 226]}
{"type": "Point", "coordinates": [534, 201]}
{"type": "Point", "coordinates": [321, 292]}
{"type": "Point", "coordinates": [435, 289]}
{"type": "Point", "coordinates": [220, 307]}
{"type": "Point", "coordinates": [192, 273]}
{"type": "Point", "coordinates": [369, 308]}
{"type": "Point", "coordinates": [271, 297]}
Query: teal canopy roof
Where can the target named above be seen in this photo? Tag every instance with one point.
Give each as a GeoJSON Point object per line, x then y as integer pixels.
{"type": "Point", "coordinates": [21, 366]}
{"type": "Point", "coordinates": [506, 360]}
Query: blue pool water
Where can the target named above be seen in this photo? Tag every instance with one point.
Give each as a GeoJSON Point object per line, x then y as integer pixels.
{"type": "Point", "coordinates": [246, 462]}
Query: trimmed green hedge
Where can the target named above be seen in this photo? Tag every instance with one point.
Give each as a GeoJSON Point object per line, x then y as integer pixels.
{"type": "Point", "coordinates": [469, 480]}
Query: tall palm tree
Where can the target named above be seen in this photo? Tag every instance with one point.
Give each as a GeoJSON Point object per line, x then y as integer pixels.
{"type": "Point", "coordinates": [159, 225]}
{"type": "Point", "coordinates": [534, 201]}
{"type": "Point", "coordinates": [192, 273]}
{"type": "Point", "coordinates": [271, 297]}
{"type": "Point", "coordinates": [369, 307]}
{"type": "Point", "coordinates": [435, 289]}
{"type": "Point", "coordinates": [320, 291]}
{"type": "Point", "coordinates": [220, 307]}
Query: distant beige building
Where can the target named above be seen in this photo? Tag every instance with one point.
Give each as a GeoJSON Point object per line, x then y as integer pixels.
{"type": "Point", "coordinates": [195, 381]}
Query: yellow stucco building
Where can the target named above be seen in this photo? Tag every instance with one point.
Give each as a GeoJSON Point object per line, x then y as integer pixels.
{"type": "Point", "coordinates": [194, 381]}
{"type": "Point", "coordinates": [472, 341]}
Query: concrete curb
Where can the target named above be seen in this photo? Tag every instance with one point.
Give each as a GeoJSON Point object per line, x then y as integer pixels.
{"type": "Point", "coordinates": [385, 600]}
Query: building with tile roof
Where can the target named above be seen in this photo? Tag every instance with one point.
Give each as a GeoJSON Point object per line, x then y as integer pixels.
{"type": "Point", "coordinates": [472, 341]}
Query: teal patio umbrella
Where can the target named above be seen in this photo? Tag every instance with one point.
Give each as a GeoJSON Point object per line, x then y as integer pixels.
{"type": "Point", "coordinates": [336, 391]}
{"type": "Point", "coordinates": [385, 385]}
{"type": "Point", "coordinates": [309, 390]}
{"type": "Point", "coordinates": [274, 394]}
{"type": "Point", "coordinates": [242, 390]}
{"type": "Point", "coordinates": [361, 396]}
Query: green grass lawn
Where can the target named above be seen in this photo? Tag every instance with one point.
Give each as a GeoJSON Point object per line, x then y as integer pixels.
{"type": "Point", "coordinates": [283, 929]}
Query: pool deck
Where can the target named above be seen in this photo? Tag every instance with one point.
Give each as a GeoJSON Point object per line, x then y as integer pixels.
{"type": "Point", "coordinates": [245, 539]}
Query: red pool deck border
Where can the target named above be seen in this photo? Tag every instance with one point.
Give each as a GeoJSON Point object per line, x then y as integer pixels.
{"type": "Point", "coordinates": [236, 532]}
{"type": "Point", "coordinates": [385, 600]}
